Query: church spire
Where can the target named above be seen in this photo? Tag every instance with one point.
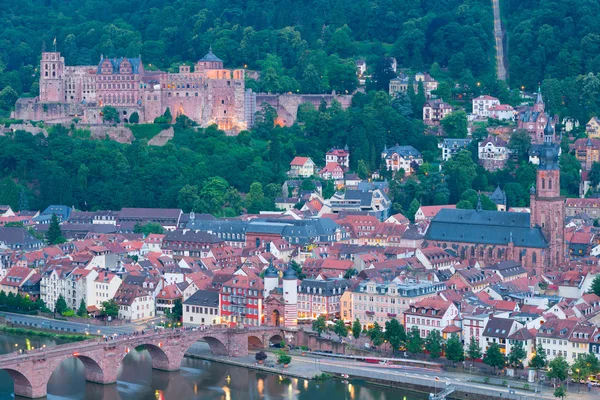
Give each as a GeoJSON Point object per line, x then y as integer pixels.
{"type": "Point", "coordinates": [539, 99]}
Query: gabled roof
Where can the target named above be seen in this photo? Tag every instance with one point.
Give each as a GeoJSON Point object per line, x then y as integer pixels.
{"type": "Point", "coordinates": [485, 227]}
{"type": "Point", "coordinates": [498, 327]}
{"type": "Point", "coordinates": [299, 161]}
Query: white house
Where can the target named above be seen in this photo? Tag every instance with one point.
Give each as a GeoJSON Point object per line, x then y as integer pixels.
{"type": "Point", "coordinates": [452, 146]}
{"type": "Point", "coordinates": [473, 326]}
{"type": "Point", "coordinates": [105, 287]}
{"type": "Point", "coordinates": [80, 287]}
{"type": "Point", "coordinates": [406, 158]}
{"type": "Point", "coordinates": [135, 303]}
{"type": "Point", "coordinates": [493, 152]}
{"type": "Point", "coordinates": [332, 171]}
{"type": "Point", "coordinates": [430, 314]}
{"type": "Point", "coordinates": [482, 105]}
{"type": "Point", "coordinates": [503, 112]}
{"type": "Point", "coordinates": [302, 166]}
{"type": "Point", "coordinates": [201, 308]}
{"type": "Point", "coordinates": [340, 156]}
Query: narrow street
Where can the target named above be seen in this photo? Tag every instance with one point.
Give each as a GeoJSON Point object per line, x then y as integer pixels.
{"type": "Point", "coordinates": [499, 36]}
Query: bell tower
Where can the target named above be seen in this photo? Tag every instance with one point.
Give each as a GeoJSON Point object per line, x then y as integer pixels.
{"type": "Point", "coordinates": [547, 207]}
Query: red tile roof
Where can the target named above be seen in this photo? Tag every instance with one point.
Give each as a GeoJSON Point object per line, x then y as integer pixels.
{"type": "Point", "coordinates": [299, 161]}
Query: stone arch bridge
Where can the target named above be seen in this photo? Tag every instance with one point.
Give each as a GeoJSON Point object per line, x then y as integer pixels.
{"type": "Point", "coordinates": [102, 358]}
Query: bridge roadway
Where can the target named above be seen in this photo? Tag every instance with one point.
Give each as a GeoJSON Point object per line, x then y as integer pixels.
{"type": "Point", "coordinates": [102, 358]}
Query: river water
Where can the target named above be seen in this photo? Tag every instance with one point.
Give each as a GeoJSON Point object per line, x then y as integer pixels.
{"type": "Point", "coordinates": [197, 379]}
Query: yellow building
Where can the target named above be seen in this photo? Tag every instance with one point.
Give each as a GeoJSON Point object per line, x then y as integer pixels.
{"type": "Point", "coordinates": [593, 128]}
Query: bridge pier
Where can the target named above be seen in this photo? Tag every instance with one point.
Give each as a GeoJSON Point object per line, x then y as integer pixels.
{"type": "Point", "coordinates": [31, 391]}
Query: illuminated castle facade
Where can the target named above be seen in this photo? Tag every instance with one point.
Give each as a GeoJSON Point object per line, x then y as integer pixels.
{"type": "Point", "coordinates": [208, 93]}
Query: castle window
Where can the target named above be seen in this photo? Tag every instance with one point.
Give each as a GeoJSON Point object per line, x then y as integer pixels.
{"type": "Point", "coordinates": [224, 111]}
{"type": "Point", "coordinates": [46, 74]}
{"type": "Point", "coordinates": [196, 94]}
{"type": "Point", "coordinates": [534, 258]}
{"type": "Point", "coordinates": [543, 183]}
{"type": "Point", "coordinates": [222, 101]}
{"type": "Point", "coordinates": [549, 183]}
{"type": "Point", "coordinates": [53, 73]}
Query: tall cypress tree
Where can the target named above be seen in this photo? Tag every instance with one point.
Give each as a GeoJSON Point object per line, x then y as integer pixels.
{"type": "Point", "coordinates": [54, 234]}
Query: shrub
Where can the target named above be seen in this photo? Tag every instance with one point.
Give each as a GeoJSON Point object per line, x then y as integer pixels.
{"type": "Point", "coordinates": [260, 356]}
{"type": "Point", "coordinates": [283, 357]}
{"type": "Point", "coordinates": [486, 380]}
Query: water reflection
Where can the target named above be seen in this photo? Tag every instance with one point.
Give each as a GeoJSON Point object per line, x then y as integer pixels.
{"type": "Point", "coordinates": [197, 379]}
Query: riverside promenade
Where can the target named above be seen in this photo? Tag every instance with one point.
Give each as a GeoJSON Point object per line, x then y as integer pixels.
{"type": "Point", "coordinates": [411, 378]}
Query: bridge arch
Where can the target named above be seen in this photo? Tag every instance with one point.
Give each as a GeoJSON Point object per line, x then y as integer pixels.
{"type": "Point", "coordinates": [22, 384]}
{"type": "Point", "coordinates": [216, 346]}
{"type": "Point", "coordinates": [275, 339]}
{"type": "Point", "coordinates": [160, 358]}
{"type": "Point", "coordinates": [254, 342]}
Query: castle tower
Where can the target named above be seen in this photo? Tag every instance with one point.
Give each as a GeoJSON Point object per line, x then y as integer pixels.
{"type": "Point", "coordinates": [547, 210]}
{"type": "Point", "coordinates": [52, 68]}
{"type": "Point", "coordinates": [290, 296]}
{"type": "Point", "coordinates": [271, 280]}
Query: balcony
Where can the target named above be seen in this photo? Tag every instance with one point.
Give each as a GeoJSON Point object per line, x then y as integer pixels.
{"type": "Point", "coordinates": [370, 312]}
{"type": "Point", "coordinates": [392, 315]}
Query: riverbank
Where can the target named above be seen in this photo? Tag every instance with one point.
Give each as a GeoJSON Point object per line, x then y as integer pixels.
{"type": "Point", "coordinates": [309, 368]}
{"type": "Point", "coordinates": [43, 333]}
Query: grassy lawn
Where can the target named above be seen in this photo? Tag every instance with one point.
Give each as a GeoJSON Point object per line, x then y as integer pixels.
{"type": "Point", "coordinates": [146, 131]}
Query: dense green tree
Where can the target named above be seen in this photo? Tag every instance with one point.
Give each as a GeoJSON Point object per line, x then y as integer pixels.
{"type": "Point", "coordinates": [110, 114]}
{"type": "Point", "coordinates": [61, 305]}
{"type": "Point", "coordinates": [461, 171]}
{"type": "Point", "coordinates": [319, 325]}
{"type": "Point", "coordinates": [177, 311]}
{"type": "Point", "coordinates": [517, 355]}
{"type": "Point", "coordinates": [82, 310]}
{"type": "Point", "coordinates": [54, 234]}
{"type": "Point", "coordinates": [8, 96]}
{"type": "Point", "coordinates": [455, 124]}
{"type": "Point", "coordinates": [454, 349]}
{"type": "Point", "coordinates": [148, 228]}
{"type": "Point", "coordinates": [433, 344]}
{"type": "Point", "coordinates": [538, 361]}
{"type": "Point", "coordinates": [560, 391]}
{"type": "Point", "coordinates": [414, 342]}
{"type": "Point", "coordinates": [494, 357]}
{"type": "Point", "coordinates": [356, 328]}
{"type": "Point", "coordinates": [255, 199]}
{"type": "Point", "coordinates": [362, 170]}
{"type": "Point", "coordinates": [134, 118]}
{"type": "Point", "coordinates": [110, 308]}
{"type": "Point", "coordinates": [339, 328]}
{"type": "Point", "coordinates": [375, 333]}
{"type": "Point", "coordinates": [558, 369]}
{"type": "Point", "coordinates": [395, 334]}
{"type": "Point", "coordinates": [474, 350]}
{"type": "Point", "coordinates": [595, 288]}
{"type": "Point", "coordinates": [519, 144]}
{"type": "Point", "coordinates": [595, 174]}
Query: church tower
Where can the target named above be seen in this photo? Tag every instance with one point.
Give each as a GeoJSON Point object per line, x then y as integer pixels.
{"type": "Point", "coordinates": [539, 105]}
{"type": "Point", "coordinates": [52, 67]}
{"type": "Point", "coordinates": [547, 209]}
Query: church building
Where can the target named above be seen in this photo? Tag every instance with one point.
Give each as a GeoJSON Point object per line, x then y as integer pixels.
{"type": "Point", "coordinates": [536, 240]}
